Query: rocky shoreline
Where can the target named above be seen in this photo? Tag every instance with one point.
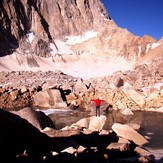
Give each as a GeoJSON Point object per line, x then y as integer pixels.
{"type": "Point", "coordinates": [33, 138]}
{"type": "Point", "coordinates": [85, 140]}
{"type": "Point", "coordinates": [139, 89]}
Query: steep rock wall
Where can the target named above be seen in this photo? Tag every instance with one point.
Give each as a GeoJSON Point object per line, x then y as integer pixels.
{"type": "Point", "coordinates": [49, 19]}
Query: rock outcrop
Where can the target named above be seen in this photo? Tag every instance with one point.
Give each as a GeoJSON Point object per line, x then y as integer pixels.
{"type": "Point", "coordinates": [45, 19]}
{"type": "Point", "coordinates": [37, 118]}
{"type": "Point", "coordinates": [22, 142]}
{"type": "Point", "coordinates": [17, 136]}
{"type": "Point", "coordinates": [121, 131]}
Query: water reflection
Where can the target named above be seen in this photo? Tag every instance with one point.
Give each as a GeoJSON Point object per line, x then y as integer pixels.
{"type": "Point", "coordinates": [151, 123]}
{"type": "Point", "coordinates": [61, 119]}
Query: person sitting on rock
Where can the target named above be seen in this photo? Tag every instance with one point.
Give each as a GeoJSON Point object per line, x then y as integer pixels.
{"type": "Point", "coordinates": [98, 103]}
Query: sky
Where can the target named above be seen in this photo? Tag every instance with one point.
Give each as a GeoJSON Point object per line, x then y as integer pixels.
{"type": "Point", "coordinates": [140, 17]}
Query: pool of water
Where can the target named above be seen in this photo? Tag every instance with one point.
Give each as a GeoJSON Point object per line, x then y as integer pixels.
{"type": "Point", "coordinates": [151, 124]}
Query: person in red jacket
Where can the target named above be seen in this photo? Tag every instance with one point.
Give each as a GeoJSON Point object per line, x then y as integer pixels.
{"type": "Point", "coordinates": [98, 103]}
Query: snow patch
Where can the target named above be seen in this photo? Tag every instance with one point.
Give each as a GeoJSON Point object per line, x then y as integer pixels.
{"type": "Point", "coordinates": [88, 66]}
{"type": "Point", "coordinates": [139, 48]}
{"type": "Point", "coordinates": [147, 47]}
{"type": "Point", "coordinates": [85, 66]}
{"type": "Point", "coordinates": [60, 47]}
{"type": "Point", "coordinates": [54, 49]}
{"type": "Point", "coordinates": [72, 40]}
{"type": "Point", "coordinates": [30, 37]}
{"type": "Point", "coordinates": [154, 45]}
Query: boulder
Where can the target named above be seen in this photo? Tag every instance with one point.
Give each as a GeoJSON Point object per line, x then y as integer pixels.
{"type": "Point", "coordinates": [123, 140]}
{"type": "Point", "coordinates": [120, 146]}
{"type": "Point", "coordinates": [134, 126]}
{"type": "Point", "coordinates": [82, 123]}
{"type": "Point", "coordinates": [49, 85]}
{"type": "Point", "coordinates": [81, 149]}
{"type": "Point", "coordinates": [23, 89]}
{"type": "Point", "coordinates": [59, 133]}
{"type": "Point", "coordinates": [14, 94]}
{"type": "Point", "coordinates": [97, 123]}
{"type": "Point", "coordinates": [80, 87]}
{"type": "Point", "coordinates": [18, 135]}
{"type": "Point", "coordinates": [127, 111]}
{"type": "Point", "coordinates": [153, 93]}
{"type": "Point", "coordinates": [134, 95]}
{"type": "Point", "coordinates": [142, 152]}
{"type": "Point", "coordinates": [37, 118]}
{"type": "Point", "coordinates": [2, 90]}
{"type": "Point", "coordinates": [129, 133]}
{"type": "Point", "coordinates": [92, 123]}
{"type": "Point", "coordinates": [69, 150]}
{"type": "Point", "coordinates": [49, 98]}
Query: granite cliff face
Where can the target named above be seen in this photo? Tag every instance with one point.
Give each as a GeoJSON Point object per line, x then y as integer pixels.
{"type": "Point", "coordinates": [48, 20]}
{"type": "Point", "coordinates": [36, 26]}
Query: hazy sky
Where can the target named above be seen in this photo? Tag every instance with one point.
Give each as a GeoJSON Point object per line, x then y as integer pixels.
{"type": "Point", "coordinates": [139, 16]}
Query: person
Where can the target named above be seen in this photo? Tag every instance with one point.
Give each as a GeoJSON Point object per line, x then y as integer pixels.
{"type": "Point", "coordinates": [98, 103]}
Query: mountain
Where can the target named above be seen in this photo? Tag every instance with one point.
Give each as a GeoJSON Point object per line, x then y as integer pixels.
{"type": "Point", "coordinates": [50, 35]}
{"type": "Point", "coordinates": [47, 20]}
{"type": "Point", "coordinates": [64, 53]}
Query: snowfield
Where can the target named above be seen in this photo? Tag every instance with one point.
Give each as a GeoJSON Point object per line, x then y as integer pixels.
{"type": "Point", "coordinates": [85, 65]}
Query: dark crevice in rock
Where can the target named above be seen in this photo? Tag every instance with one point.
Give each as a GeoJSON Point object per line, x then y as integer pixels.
{"type": "Point", "coordinates": [21, 17]}
{"type": "Point", "coordinates": [42, 19]}
{"type": "Point", "coordinates": [7, 40]}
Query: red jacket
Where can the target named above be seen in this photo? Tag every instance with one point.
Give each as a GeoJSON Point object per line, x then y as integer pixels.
{"type": "Point", "coordinates": [98, 101]}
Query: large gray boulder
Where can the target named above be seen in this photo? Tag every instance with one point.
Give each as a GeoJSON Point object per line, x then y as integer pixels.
{"type": "Point", "coordinates": [18, 135]}
{"type": "Point", "coordinates": [37, 118]}
{"type": "Point", "coordinates": [129, 133]}
{"type": "Point", "coordinates": [49, 98]}
{"type": "Point", "coordinates": [131, 93]}
{"type": "Point", "coordinates": [91, 123]}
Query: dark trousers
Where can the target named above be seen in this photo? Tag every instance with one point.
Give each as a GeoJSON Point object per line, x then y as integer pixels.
{"type": "Point", "coordinates": [97, 111]}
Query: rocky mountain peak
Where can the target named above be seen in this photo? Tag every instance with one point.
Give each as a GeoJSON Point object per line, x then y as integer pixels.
{"type": "Point", "coordinates": [62, 31]}
{"type": "Point", "coordinates": [49, 20]}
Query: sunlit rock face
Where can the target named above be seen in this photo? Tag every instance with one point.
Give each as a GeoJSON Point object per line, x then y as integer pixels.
{"type": "Point", "coordinates": [48, 19]}
{"type": "Point", "coordinates": [48, 28]}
